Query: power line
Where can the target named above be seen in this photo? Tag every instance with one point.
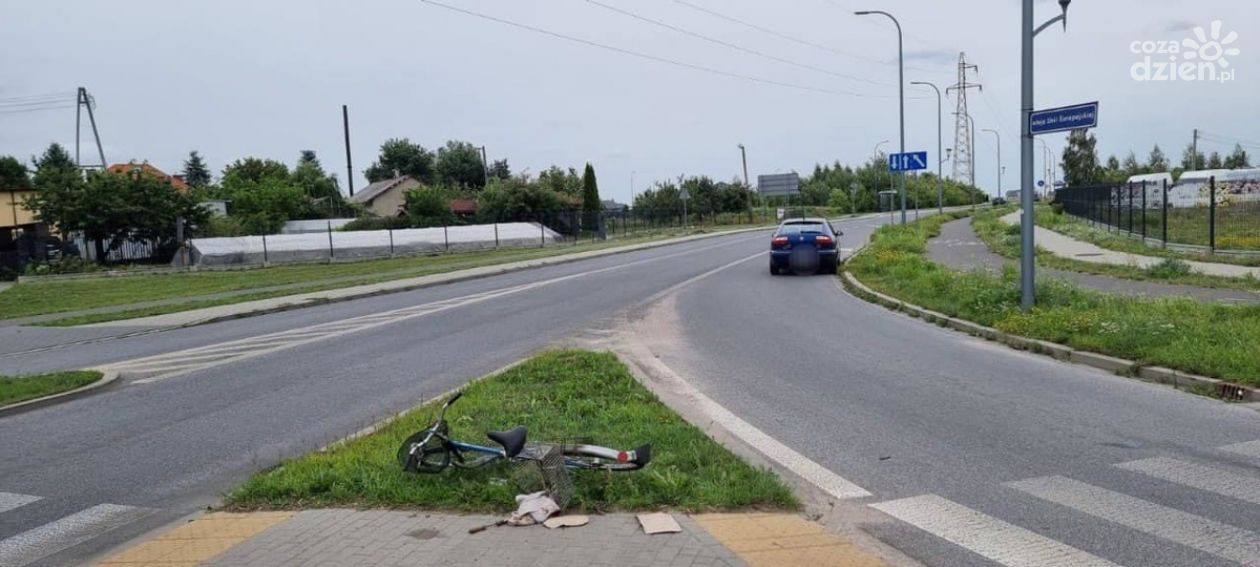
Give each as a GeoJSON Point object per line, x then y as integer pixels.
{"type": "Point", "coordinates": [56, 106]}
{"type": "Point", "coordinates": [27, 98]}
{"type": "Point", "coordinates": [640, 55]}
{"type": "Point", "coordinates": [735, 46]}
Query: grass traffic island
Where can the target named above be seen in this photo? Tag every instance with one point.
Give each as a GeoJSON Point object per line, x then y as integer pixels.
{"type": "Point", "coordinates": [195, 290]}
{"type": "Point", "coordinates": [1003, 239]}
{"type": "Point", "coordinates": [1204, 338]}
{"type": "Point", "coordinates": [557, 395]}
{"type": "Point", "coordinates": [18, 389]}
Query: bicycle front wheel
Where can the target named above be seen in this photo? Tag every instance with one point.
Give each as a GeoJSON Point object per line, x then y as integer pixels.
{"type": "Point", "coordinates": [594, 457]}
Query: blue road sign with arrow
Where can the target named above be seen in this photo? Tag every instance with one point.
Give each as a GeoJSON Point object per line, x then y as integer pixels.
{"type": "Point", "coordinates": [909, 161]}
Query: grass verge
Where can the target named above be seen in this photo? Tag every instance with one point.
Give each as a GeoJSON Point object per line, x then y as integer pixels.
{"type": "Point", "coordinates": [557, 395]}
{"type": "Point", "coordinates": [1199, 337]}
{"type": "Point", "coordinates": [194, 290]}
{"type": "Point", "coordinates": [17, 389]}
{"type": "Point", "coordinates": [1003, 239]}
{"type": "Point", "coordinates": [1081, 230]}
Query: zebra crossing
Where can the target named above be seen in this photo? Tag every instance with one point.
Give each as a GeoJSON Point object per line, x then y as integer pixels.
{"type": "Point", "coordinates": [1006, 543]}
{"type": "Point", "coordinates": [60, 534]}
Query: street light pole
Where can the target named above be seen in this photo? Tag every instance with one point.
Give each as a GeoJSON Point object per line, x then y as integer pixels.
{"type": "Point", "coordinates": [940, 182]}
{"type": "Point", "coordinates": [901, 97]}
{"type": "Point", "coordinates": [1027, 253]}
{"type": "Point", "coordinates": [875, 153]}
{"type": "Point", "coordinates": [999, 159]}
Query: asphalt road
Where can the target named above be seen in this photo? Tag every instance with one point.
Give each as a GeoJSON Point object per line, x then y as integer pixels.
{"type": "Point", "coordinates": [903, 409]}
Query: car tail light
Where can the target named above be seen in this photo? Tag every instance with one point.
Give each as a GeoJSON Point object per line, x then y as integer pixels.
{"type": "Point", "coordinates": [824, 240]}
{"type": "Point", "coordinates": [779, 241]}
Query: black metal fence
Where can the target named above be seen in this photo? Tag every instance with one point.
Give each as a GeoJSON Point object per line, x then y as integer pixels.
{"type": "Point", "coordinates": [1205, 217]}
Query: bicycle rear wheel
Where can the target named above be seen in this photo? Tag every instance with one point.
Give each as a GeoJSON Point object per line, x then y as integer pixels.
{"type": "Point", "coordinates": [594, 457]}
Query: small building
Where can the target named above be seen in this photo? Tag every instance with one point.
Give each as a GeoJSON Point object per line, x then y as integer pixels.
{"type": "Point", "coordinates": [176, 181]}
{"type": "Point", "coordinates": [386, 198]}
{"type": "Point", "coordinates": [463, 207]}
{"type": "Point", "coordinates": [612, 206]}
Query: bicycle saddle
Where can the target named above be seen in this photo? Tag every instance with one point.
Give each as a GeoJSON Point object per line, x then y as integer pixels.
{"type": "Point", "coordinates": [513, 440]}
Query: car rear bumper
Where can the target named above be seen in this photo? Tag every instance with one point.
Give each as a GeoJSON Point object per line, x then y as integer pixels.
{"type": "Point", "coordinates": [782, 258]}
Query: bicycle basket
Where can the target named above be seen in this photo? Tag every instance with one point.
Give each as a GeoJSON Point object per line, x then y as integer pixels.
{"type": "Point", "coordinates": [542, 469]}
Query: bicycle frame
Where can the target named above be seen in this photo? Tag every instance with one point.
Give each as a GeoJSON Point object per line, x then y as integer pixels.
{"type": "Point", "coordinates": [458, 448]}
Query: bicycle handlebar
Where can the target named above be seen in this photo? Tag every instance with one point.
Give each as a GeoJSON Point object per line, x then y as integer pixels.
{"type": "Point", "coordinates": [453, 398]}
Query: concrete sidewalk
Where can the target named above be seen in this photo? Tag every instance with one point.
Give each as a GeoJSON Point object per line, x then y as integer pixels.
{"type": "Point", "coordinates": [386, 538]}
{"type": "Point", "coordinates": [1073, 249]}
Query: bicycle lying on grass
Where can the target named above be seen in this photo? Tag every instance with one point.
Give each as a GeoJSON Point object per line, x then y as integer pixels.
{"type": "Point", "coordinates": [431, 450]}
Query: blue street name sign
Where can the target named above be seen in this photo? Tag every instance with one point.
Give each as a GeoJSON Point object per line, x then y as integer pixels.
{"type": "Point", "coordinates": [909, 161]}
{"type": "Point", "coordinates": [1062, 119]}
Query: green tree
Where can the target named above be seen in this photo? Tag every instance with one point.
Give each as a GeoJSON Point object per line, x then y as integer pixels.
{"type": "Point", "coordinates": [591, 204]}
{"type": "Point", "coordinates": [1080, 159]}
{"type": "Point", "coordinates": [321, 189]}
{"type": "Point", "coordinates": [459, 165]}
{"type": "Point", "coordinates": [1115, 171]}
{"type": "Point", "coordinates": [1157, 162]}
{"type": "Point", "coordinates": [427, 206]}
{"type": "Point", "coordinates": [196, 174]}
{"type": "Point", "coordinates": [1190, 160]}
{"type": "Point", "coordinates": [1214, 161]}
{"type": "Point", "coordinates": [1238, 159]}
{"type": "Point", "coordinates": [518, 198]}
{"type": "Point", "coordinates": [261, 194]}
{"type": "Point", "coordinates": [55, 167]}
{"type": "Point", "coordinates": [561, 181]}
{"type": "Point", "coordinates": [401, 157]}
{"type": "Point", "coordinates": [13, 174]}
{"type": "Point", "coordinates": [500, 169]}
{"type": "Point", "coordinates": [112, 208]}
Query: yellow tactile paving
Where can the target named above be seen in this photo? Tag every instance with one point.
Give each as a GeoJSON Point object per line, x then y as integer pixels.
{"type": "Point", "coordinates": [196, 541]}
{"type": "Point", "coordinates": [783, 540]}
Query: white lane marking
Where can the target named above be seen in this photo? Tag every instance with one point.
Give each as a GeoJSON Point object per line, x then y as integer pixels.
{"type": "Point", "coordinates": [172, 364]}
{"type": "Point", "coordinates": [1248, 449]}
{"type": "Point", "coordinates": [985, 535]}
{"type": "Point", "coordinates": [69, 531]}
{"type": "Point", "coordinates": [9, 501]}
{"type": "Point", "coordinates": [1209, 536]}
{"type": "Point", "coordinates": [1202, 477]}
{"type": "Point", "coordinates": [802, 466]}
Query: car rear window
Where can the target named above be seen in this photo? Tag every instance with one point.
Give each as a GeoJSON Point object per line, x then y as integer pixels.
{"type": "Point", "coordinates": [803, 227]}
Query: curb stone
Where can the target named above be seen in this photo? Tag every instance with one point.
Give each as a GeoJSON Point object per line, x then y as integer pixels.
{"type": "Point", "coordinates": [107, 377]}
{"type": "Point", "coordinates": [1177, 379]}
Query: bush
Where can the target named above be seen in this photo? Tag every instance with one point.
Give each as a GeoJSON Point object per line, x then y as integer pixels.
{"type": "Point", "coordinates": [1057, 207]}
{"type": "Point", "coordinates": [219, 226]}
{"type": "Point", "coordinates": [60, 265]}
{"type": "Point", "coordinates": [1168, 269]}
{"type": "Point", "coordinates": [377, 223]}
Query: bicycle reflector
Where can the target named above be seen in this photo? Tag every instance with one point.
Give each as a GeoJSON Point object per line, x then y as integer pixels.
{"type": "Point", "coordinates": [623, 456]}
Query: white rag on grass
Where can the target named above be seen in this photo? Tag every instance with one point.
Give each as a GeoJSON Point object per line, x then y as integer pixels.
{"type": "Point", "coordinates": [533, 509]}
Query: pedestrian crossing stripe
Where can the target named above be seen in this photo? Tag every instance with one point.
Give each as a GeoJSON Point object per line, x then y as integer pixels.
{"type": "Point", "coordinates": [1198, 476]}
{"type": "Point", "coordinates": [9, 501]}
{"type": "Point", "coordinates": [36, 543]}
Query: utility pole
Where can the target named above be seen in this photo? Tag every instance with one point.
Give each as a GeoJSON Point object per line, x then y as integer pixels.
{"type": "Point", "coordinates": [86, 101]}
{"type": "Point", "coordinates": [485, 163]}
{"type": "Point", "coordinates": [940, 183]}
{"type": "Point", "coordinates": [999, 159]}
{"type": "Point", "coordinates": [1194, 152]}
{"type": "Point", "coordinates": [964, 128]}
{"type": "Point", "coordinates": [345, 127]}
{"type": "Point", "coordinates": [901, 97]}
{"type": "Point", "coordinates": [971, 166]}
{"type": "Point", "coordinates": [1027, 253]}
{"type": "Point", "coordinates": [743, 156]}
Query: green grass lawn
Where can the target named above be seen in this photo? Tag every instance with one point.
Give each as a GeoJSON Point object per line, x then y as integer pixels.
{"type": "Point", "coordinates": [557, 395]}
{"type": "Point", "coordinates": [50, 297]}
{"type": "Point", "coordinates": [15, 389]}
{"type": "Point", "coordinates": [1199, 337]}
{"type": "Point", "coordinates": [1003, 239]}
{"type": "Point", "coordinates": [1113, 240]}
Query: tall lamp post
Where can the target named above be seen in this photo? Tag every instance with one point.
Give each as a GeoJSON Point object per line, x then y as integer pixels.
{"type": "Point", "coordinates": [1027, 253]}
{"type": "Point", "coordinates": [875, 152]}
{"type": "Point", "coordinates": [940, 182]}
{"type": "Point", "coordinates": [901, 97]}
{"type": "Point", "coordinates": [999, 158]}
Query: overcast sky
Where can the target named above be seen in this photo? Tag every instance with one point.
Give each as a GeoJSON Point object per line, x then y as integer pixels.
{"type": "Point", "coordinates": [236, 78]}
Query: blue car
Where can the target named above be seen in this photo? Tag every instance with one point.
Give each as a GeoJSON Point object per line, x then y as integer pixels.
{"type": "Point", "coordinates": [805, 246]}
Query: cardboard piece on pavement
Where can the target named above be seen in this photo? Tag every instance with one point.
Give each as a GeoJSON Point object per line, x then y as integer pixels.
{"type": "Point", "coordinates": [659, 523]}
{"type": "Point", "coordinates": [566, 521]}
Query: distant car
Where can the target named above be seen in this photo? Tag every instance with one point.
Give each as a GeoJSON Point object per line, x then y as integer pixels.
{"type": "Point", "coordinates": [805, 246]}
{"type": "Point", "coordinates": [998, 201]}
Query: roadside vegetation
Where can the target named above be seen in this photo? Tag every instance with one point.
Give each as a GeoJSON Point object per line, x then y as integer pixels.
{"type": "Point", "coordinates": [1209, 339]}
{"type": "Point", "coordinates": [61, 296]}
{"type": "Point", "coordinates": [1082, 230]}
{"type": "Point", "coordinates": [558, 395]}
{"type": "Point", "coordinates": [16, 389]}
{"type": "Point", "coordinates": [1003, 239]}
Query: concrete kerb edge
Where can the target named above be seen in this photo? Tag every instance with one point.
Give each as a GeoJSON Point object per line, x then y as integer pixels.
{"type": "Point", "coordinates": [1119, 366]}
{"type": "Point", "coordinates": [456, 277]}
{"type": "Point", "coordinates": [107, 377]}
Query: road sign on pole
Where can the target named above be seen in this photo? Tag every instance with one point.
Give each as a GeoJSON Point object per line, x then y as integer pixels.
{"type": "Point", "coordinates": [779, 184]}
{"type": "Point", "coordinates": [1063, 119]}
{"type": "Point", "coordinates": [909, 161]}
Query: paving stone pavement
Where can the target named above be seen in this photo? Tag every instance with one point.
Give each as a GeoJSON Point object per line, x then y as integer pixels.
{"type": "Point", "coordinates": [338, 537]}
